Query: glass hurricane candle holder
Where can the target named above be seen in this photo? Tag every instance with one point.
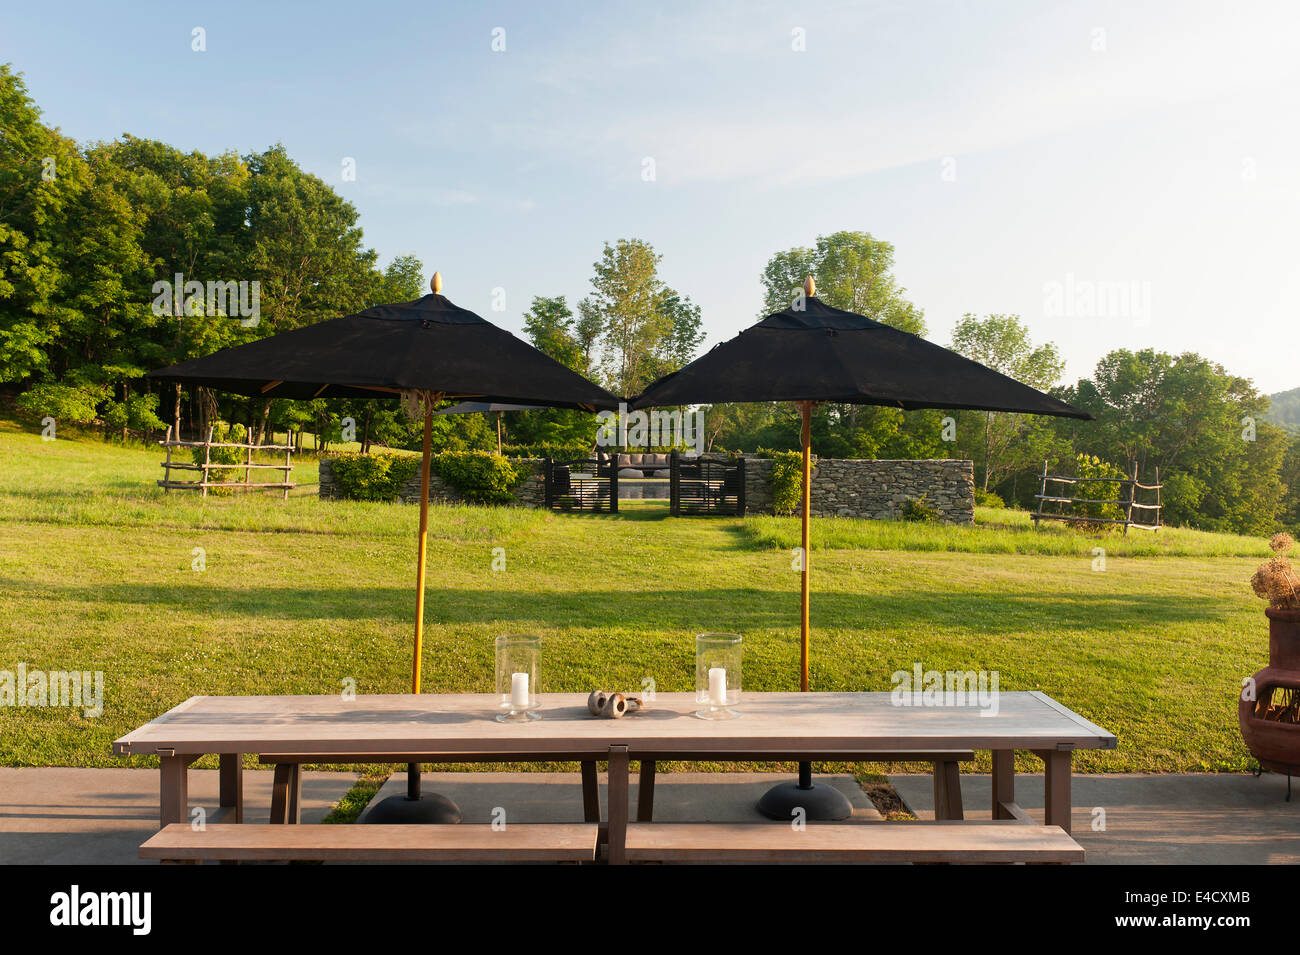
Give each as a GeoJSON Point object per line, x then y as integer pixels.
{"type": "Point", "coordinates": [717, 675]}
{"type": "Point", "coordinates": [517, 659]}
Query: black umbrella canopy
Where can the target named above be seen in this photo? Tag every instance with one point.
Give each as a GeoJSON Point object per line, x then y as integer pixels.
{"type": "Point", "coordinates": [429, 344]}
{"type": "Point", "coordinates": [822, 353]}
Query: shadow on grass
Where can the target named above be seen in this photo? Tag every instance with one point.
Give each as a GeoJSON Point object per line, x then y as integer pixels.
{"type": "Point", "coordinates": [742, 608]}
{"type": "Point", "coordinates": [640, 513]}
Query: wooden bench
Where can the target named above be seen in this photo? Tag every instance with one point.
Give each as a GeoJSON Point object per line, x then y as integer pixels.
{"type": "Point", "coordinates": [180, 842]}
{"type": "Point", "coordinates": [870, 842]}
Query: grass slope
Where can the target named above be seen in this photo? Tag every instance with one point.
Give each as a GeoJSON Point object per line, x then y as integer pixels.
{"type": "Point", "coordinates": [96, 568]}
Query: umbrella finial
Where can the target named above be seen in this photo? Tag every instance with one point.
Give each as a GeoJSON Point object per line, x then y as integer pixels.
{"type": "Point", "coordinates": [436, 283]}
{"type": "Point", "coordinates": [809, 287]}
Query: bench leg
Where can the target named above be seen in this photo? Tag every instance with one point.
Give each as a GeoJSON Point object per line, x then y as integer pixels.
{"type": "Point", "coordinates": [645, 792]}
{"type": "Point", "coordinates": [590, 793]}
{"type": "Point", "coordinates": [1056, 787]}
{"type": "Point", "coordinates": [947, 790]}
{"type": "Point", "coordinates": [174, 790]}
{"type": "Point", "coordinates": [232, 785]}
{"type": "Point", "coordinates": [618, 804]}
{"type": "Point", "coordinates": [286, 790]}
{"type": "Point", "coordinates": [1004, 782]}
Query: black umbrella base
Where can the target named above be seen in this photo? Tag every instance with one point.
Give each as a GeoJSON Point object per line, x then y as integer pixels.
{"type": "Point", "coordinates": [401, 810]}
{"type": "Point", "coordinates": [820, 803]}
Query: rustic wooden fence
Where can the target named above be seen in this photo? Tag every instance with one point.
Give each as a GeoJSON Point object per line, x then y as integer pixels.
{"type": "Point", "coordinates": [208, 466]}
{"type": "Point", "coordinates": [1148, 510]}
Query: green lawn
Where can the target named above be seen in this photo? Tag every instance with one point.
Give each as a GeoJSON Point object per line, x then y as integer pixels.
{"type": "Point", "coordinates": [297, 596]}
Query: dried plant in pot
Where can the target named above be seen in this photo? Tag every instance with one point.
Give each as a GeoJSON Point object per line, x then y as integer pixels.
{"type": "Point", "coordinates": [1269, 709]}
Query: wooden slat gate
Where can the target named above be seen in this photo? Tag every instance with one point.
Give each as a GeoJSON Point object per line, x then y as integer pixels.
{"type": "Point", "coordinates": [706, 486]}
{"type": "Point", "coordinates": [585, 484]}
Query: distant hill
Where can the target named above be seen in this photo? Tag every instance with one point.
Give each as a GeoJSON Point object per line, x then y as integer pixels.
{"type": "Point", "coordinates": [1286, 409]}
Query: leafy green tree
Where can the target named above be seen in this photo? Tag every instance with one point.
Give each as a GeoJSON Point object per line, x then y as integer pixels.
{"type": "Point", "coordinates": [626, 295]}
{"type": "Point", "coordinates": [642, 328]}
{"type": "Point", "coordinates": [1007, 442]}
{"type": "Point", "coordinates": [1289, 475]}
{"type": "Point", "coordinates": [1204, 428]}
{"type": "Point", "coordinates": [403, 281]}
{"type": "Point", "coordinates": [852, 271]}
{"type": "Point", "coordinates": [1284, 410]}
{"type": "Point", "coordinates": [587, 328]}
{"type": "Point", "coordinates": [683, 335]}
{"type": "Point", "coordinates": [41, 173]}
{"type": "Point", "coordinates": [306, 245]}
{"type": "Point", "coordinates": [194, 225]}
{"type": "Point", "coordinates": [548, 323]}
{"type": "Point", "coordinates": [377, 421]}
{"type": "Point", "coordinates": [305, 250]}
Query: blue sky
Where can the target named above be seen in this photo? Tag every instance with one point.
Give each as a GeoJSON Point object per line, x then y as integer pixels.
{"type": "Point", "coordinates": [1118, 174]}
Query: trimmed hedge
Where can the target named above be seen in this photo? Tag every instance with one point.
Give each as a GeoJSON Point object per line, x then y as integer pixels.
{"type": "Point", "coordinates": [481, 476]}
{"type": "Point", "coordinates": [373, 477]}
{"type": "Point", "coordinates": [478, 476]}
{"type": "Point", "coordinates": [787, 480]}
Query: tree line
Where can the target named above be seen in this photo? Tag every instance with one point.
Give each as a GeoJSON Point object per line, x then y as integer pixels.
{"type": "Point", "coordinates": [1223, 464]}
{"type": "Point", "coordinates": [89, 231]}
{"type": "Point", "coordinates": [95, 237]}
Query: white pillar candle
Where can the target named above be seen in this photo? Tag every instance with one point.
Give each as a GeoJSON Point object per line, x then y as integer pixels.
{"type": "Point", "coordinates": [519, 690]}
{"type": "Point", "coordinates": [717, 686]}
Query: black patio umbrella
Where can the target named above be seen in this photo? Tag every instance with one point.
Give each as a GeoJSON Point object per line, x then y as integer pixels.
{"type": "Point", "coordinates": [813, 352]}
{"type": "Point", "coordinates": [486, 407]}
{"type": "Point", "coordinates": [430, 349]}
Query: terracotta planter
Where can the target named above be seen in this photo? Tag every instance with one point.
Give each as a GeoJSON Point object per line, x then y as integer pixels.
{"type": "Point", "coordinates": [1275, 744]}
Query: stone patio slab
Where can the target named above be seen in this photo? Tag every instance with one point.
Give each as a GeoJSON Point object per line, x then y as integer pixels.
{"type": "Point", "coordinates": [55, 816]}
{"type": "Point", "coordinates": [1152, 819]}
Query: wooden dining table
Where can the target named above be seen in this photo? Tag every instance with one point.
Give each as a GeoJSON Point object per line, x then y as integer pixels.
{"type": "Point", "coordinates": [812, 727]}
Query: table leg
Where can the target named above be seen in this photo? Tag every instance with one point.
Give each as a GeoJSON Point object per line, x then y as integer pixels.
{"type": "Point", "coordinates": [590, 793]}
{"type": "Point", "coordinates": [618, 804]}
{"type": "Point", "coordinates": [645, 792]}
{"type": "Point", "coordinates": [174, 789]}
{"type": "Point", "coordinates": [232, 784]}
{"type": "Point", "coordinates": [1004, 782]}
{"type": "Point", "coordinates": [286, 790]}
{"type": "Point", "coordinates": [1056, 787]}
{"type": "Point", "coordinates": [947, 790]}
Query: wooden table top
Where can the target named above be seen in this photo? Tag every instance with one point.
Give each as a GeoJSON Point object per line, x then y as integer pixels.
{"type": "Point", "coordinates": [770, 723]}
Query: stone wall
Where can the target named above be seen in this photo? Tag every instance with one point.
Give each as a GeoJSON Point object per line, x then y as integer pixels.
{"type": "Point", "coordinates": [531, 493]}
{"type": "Point", "coordinates": [873, 489]}
{"type": "Point", "coordinates": [840, 488]}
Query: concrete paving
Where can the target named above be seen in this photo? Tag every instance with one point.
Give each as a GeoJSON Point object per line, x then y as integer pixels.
{"type": "Point", "coordinates": [1202, 818]}
{"type": "Point", "coordinates": [557, 797]}
{"type": "Point", "coordinates": [100, 816]}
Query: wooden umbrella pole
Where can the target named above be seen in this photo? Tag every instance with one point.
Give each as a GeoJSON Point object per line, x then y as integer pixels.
{"type": "Point", "coordinates": [413, 769]}
{"type": "Point", "coordinates": [805, 410]}
{"type": "Point", "coordinates": [498, 432]}
{"type": "Point", "coordinates": [424, 533]}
